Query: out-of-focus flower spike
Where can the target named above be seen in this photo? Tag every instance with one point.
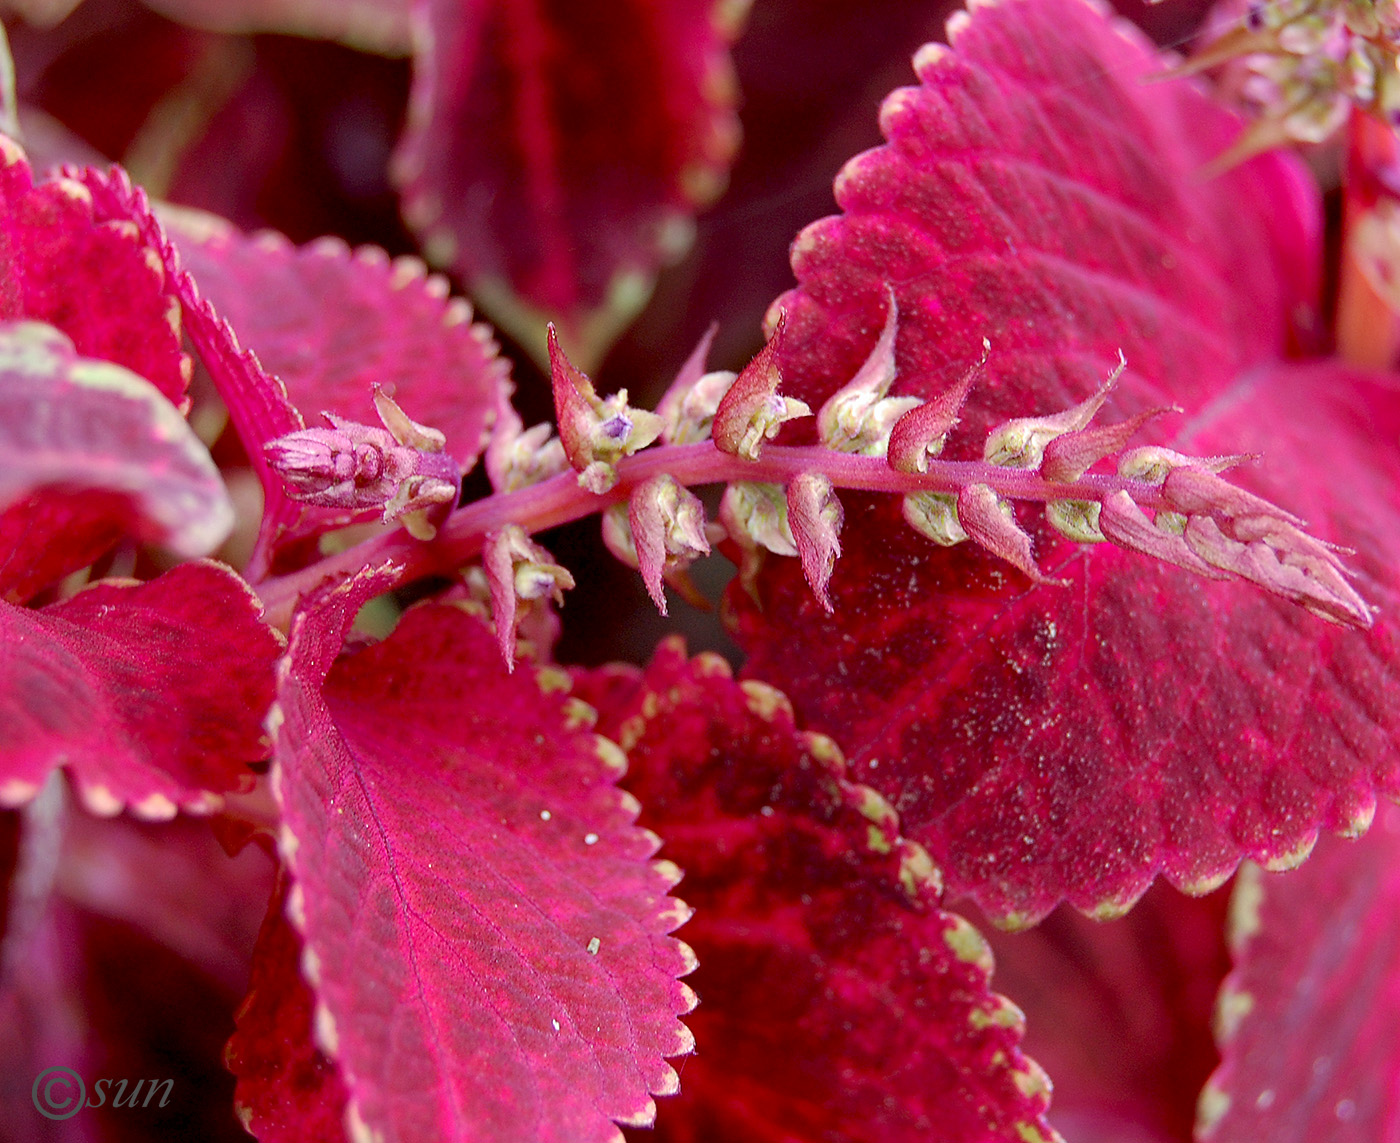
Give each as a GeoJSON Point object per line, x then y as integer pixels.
{"type": "Point", "coordinates": [922, 431]}
{"type": "Point", "coordinates": [519, 571]}
{"type": "Point", "coordinates": [1068, 457]}
{"type": "Point", "coordinates": [1021, 443]}
{"type": "Point", "coordinates": [688, 409]}
{"type": "Point", "coordinates": [1193, 491]}
{"type": "Point", "coordinates": [934, 515]}
{"type": "Point", "coordinates": [1127, 525]}
{"type": "Point", "coordinates": [1152, 462]}
{"type": "Point", "coordinates": [814, 519]}
{"type": "Point", "coordinates": [752, 411]}
{"type": "Point", "coordinates": [596, 432]}
{"type": "Point", "coordinates": [989, 523]}
{"type": "Point", "coordinates": [517, 457]}
{"type": "Point", "coordinates": [667, 525]}
{"type": "Point", "coordinates": [858, 417]}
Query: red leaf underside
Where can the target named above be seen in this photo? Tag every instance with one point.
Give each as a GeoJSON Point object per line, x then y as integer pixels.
{"type": "Point", "coordinates": [288, 1089]}
{"type": "Point", "coordinates": [555, 151]}
{"type": "Point", "coordinates": [1070, 743]}
{"type": "Point", "coordinates": [1307, 1018]}
{"type": "Point", "coordinates": [833, 1003]}
{"type": "Point", "coordinates": [486, 932]}
{"type": "Point", "coordinates": [152, 694]}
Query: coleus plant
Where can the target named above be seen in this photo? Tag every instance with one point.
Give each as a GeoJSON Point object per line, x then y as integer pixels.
{"type": "Point", "coordinates": [1066, 555]}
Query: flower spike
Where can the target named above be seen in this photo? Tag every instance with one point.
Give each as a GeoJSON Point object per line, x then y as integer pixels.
{"type": "Point", "coordinates": [815, 518]}
{"type": "Point", "coordinates": [859, 416]}
{"type": "Point", "coordinates": [596, 432]}
{"type": "Point", "coordinates": [923, 430]}
{"type": "Point", "coordinates": [688, 409]}
{"type": "Point", "coordinates": [752, 411]}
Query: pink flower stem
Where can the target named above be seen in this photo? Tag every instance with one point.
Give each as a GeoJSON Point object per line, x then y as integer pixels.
{"type": "Point", "coordinates": [560, 499]}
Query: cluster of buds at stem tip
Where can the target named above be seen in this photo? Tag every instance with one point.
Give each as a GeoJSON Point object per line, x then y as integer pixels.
{"type": "Point", "coordinates": [596, 432]}
{"type": "Point", "coordinates": [399, 469]}
{"type": "Point", "coordinates": [1303, 65]}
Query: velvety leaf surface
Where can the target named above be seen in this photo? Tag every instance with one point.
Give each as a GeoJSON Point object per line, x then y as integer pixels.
{"type": "Point", "coordinates": [330, 323]}
{"type": "Point", "coordinates": [288, 1089]}
{"type": "Point", "coordinates": [555, 152]}
{"type": "Point", "coordinates": [1070, 743]}
{"type": "Point", "coordinates": [1307, 1018]}
{"type": "Point", "coordinates": [838, 1002]}
{"type": "Point", "coordinates": [74, 424]}
{"type": "Point", "coordinates": [485, 931]}
{"type": "Point", "coordinates": [370, 25]}
{"type": "Point", "coordinates": [153, 695]}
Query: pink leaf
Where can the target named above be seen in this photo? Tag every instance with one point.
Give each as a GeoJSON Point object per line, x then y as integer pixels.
{"type": "Point", "coordinates": [487, 934]}
{"type": "Point", "coordinates": [839, 1001]}
{"type": "Point", "coordinates": [1034, 741]}
{"type": "Point", "coordinates": [92, 276]}
{"type": "Point", "coordinates": [153, 695]}
{"type": "Point", "coordinates": [555, 153]}
{"type": "Point", "coordinates": [288, 1089]}
{"type": "Point", "coordinates": [257, 403]}
{"type": "Point", "coordinates": [76, 425]}
{"type": "Point", "coordinates": [1307, 1018]}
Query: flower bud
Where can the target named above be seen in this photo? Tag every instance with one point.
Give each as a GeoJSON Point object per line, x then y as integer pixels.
{"type": "Point", "coordinates": [923, 430]}
{"type": "Point", "coordinates": [859, 416]}
{"type": "Point", "coordinates": [517, 457]}
{"type": "Point", "coordinates": [1021, 443]}
{"type": "Point", "coordinates": [752, 411]}
{"type": "Point", "coordinates": [990, 523]}
{"type": "Point", "coordinates": [519, 571]}
{"type": "Point", "coordinates": [667, 522]}
{"type": "Point", "coordinates": [934, 515]}
{"type": "Point", "coordinates": [814, 519]}
{"type": "Point", "coordinates": [596, 432]}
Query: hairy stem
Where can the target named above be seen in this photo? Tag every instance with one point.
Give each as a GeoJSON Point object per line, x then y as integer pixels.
{"type": "Point", "coordinates": [560, 499]}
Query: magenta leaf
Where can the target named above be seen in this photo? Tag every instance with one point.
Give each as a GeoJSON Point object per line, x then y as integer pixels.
{"type": "Point", "coordinates": [91, 276]}
{"type": "Point", "coordinates": [288, 1089]}
{"type": "Point", "coordinates": [71, 426]}
{"type": "Point", "coordinates": [555, 154]}
{"type": "Point", "coordinates": [370, 25]}
{"type": "Point", "coordinates": [1032, 738]}
{"type": "Point", "coordinates": [1307, 1019]}
{"type": "Point", "coordinates": [484, 929]}
{"type": "Point", "coordinates": [152, 695]}
{"type": "Point", "coordinates": [838, 1000]}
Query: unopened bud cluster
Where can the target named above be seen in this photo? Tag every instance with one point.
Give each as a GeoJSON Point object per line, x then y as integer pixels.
{"type": "Point", "coordinates": [1306, 63]}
